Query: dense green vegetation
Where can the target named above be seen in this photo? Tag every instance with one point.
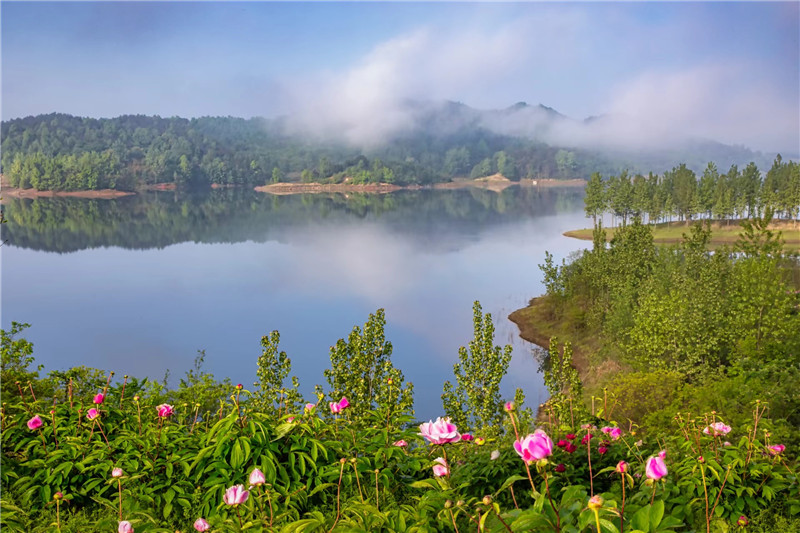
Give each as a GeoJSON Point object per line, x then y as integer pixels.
{"type": "Point", "coordinates": [63, 152]}
{"type": "Point", "coordinates": [158, 219]}
{"type": "Point", "coordinates": [686, 329]}
{"type": "Point", "coordinates": [679, 194]}
{"type": "Point", "coordinates": [85, 451]}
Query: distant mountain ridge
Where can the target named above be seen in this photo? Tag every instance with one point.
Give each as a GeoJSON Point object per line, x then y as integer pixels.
{"type": "Point", "coordinates": [437, 141]}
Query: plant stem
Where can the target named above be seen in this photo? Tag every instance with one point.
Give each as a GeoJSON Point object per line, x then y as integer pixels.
{"type": "Point", "coordinates": [55, 435]}
{"type": "Point", "coordinates": [720, 491]}
{"type": "Point", "coordinates": [358, 480]}
{"type": "Point", "coordinates": [453, 518]}
{"type": "Point", "coordinates": [622, 509]}
{"type": "Point", "coordinates": [122, 397]}
{"type": "Point", "coordinates": [511, 488]}
{"type": "Point", "coordinates": [338, 497]}
{"type": "Point", "coordinates": [119, 484]}
{"type": "Point", "coordinates": [377, 501]}
{"type": "Point", "coordinates": [597, 519]}
{"type": "Point", "coordinates": [239, 516]}
{"type": "Point", "coordinates": [58, 515]}
{"type": "Point", "coordinates": [653, 497]}
{"type": "Point", "coordinates": [705, 492]}
{"type": "Point", "coordinates": [547, 487]}
{"type": "Point", "coordinates": [269, 501]}
{"type": "Point", "coordinates": [501, 519]}
{"type": "Point", "coordinates": [589, 458]}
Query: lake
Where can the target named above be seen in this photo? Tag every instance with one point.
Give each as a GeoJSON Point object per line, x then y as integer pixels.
{"type": "Point", "coordinates": [139, 284]}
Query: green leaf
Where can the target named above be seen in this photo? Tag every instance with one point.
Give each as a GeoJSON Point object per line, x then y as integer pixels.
{"type": "Point", "coordinates": [656, 514]}
{"type": "Point", "coordinates": [641, 519]}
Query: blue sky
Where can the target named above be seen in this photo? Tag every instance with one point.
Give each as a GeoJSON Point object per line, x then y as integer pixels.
{"type": "Point", "coordinates": [729, 71]}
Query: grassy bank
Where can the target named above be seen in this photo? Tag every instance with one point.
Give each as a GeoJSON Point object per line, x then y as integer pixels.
{"type": "Point", "coordinates": [722, 233]}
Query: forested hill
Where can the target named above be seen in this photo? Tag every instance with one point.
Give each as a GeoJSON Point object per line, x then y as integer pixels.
{"type": "Point", "coordinates": [64, 152]}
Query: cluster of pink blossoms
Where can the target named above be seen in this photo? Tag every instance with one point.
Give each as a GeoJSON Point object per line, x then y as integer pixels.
{"type": "Point", "coordinates": [440, 432]}
{"type": "Point", "coordinates": [716, 429]}
{"type": "Point", "coordinates": [338, 407]}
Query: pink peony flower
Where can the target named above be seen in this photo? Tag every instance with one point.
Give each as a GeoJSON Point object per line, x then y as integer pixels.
{"type": "Point", "coordinates": [92, 413]}
{"type": "Point", "coordinates": [586, 438]}
{"type": "Point", "coordinates": [201, 525]}
{"type": "Point", "coordinates": [776, 449]}
{"type": "Point", "coordinates": [560, 467]}
{"type": "Point", "coordinates": [717, 428]}
{"type": "Point", "coordinates": [440, 468]}
{"type": "Point", "coordinates": [440, 432]}
{"type": "Point", "coordinates": [622, 467]}
{"type": "Point", "coordinates": [35, 423]}
{"type": "Point", "coordinates": [662, 454]}
{"type": "Point", "coordinates": [116, 472]}
{"type": "Point", "coordinates": [656, 468]}
{"type": "Point", "coordinates": [343, 404]}
{"type": "Point", "coordinates": [235, 495]}
{"type": "Point", "coordinates": [467, 437]}
{"type": "Point", "coordinates": [335, 409]}
{"type": "Point", "coordinates": [509, 406]}
{"type": "Point", "coordinates": [562, 443]}
{"type": "Point", "coordinates": [726, 443]}
{"type": "Point", "coordinates": [602, 450]}
{"type": "Point", "coordinates": [257, 478]}
{"type": "Point", "coordinates": [125, 527]}
{"type": "Point", "coordinates": [570, 448]}
{"type": "Point", "coordinates": [164, 410]}
{"type": "Point", "coordinates": [99, 398]}
{"type": "Point", "coordinates": [400, 443]}
{"type": "Point", "coordinates": [534, 447]}
{"type": "Point", "coordinates": [616, 433]}
{"type": "Point", "coordinates": [310, 406]}
{"type": "Point", "coordinates": [571, 436]}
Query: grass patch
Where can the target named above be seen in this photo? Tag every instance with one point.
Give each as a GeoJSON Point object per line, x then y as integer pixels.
{"type": "Point", "coordinates": [726, 232]}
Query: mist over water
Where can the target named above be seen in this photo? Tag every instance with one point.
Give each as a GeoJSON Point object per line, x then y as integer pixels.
{"type": "Point", "coordinates": [138, 285]}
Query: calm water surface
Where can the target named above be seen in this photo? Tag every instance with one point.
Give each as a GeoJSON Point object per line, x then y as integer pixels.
{"type": "Point", "coordinates": [139, 284]}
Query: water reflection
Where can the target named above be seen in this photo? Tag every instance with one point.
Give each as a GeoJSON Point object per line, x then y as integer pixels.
{"type": "Point", "coordinates": [155, 278]}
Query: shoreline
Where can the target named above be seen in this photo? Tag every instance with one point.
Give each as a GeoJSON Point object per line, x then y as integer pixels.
{"type": "Point", "coordinates": [496, 183]}
{"type": "Point", "coordinates": [722, 233]}
{"type": "Point", "coordinates": [491, 183]}
{"type": "Point", "coordinates": [12, 192]}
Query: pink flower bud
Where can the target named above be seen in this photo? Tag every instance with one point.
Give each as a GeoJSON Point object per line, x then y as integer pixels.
{"type": "Point", "coordinates": [99, 398]}
{"type": "Point", "coordinates": [35, 423]}
{"type": "Point", "coordinates": [509, 406]}
{"type": "Point", "coordinates": [776, 449]}
{"type": "Point", "coordinates": [235, 495]}
{"type": "Point", "coordinates": [92, 413]}
{"type": "Point", "coordinates": [622, 467]}
{"type": "Point", "coordinates": [343, 404]}
{"type": "Point", "coordinates": [440, 469]}
{"type": "Point", "coordinates": [125, 527]}
{"type": "Point", "coordinates": [164, 410]}
{"type": "Point", "coordinates": [602, 450]}
{"type": "Point", "coordinates": [467, 437]}
{"type": "Point", "coordinates": [335, 409]}
{"type": "Point", "coordinates": [257, 478]}
{"type": "Point", "coordinates": [116, 472]}
{"type": "Point", "coordinates": [656, 468]}
{"type": "Point", "coordinates": [201, 525]}
{"type": "Point", "coordinates": [560, 467]}
{"type": "Point", "coordinates": [400, 443]}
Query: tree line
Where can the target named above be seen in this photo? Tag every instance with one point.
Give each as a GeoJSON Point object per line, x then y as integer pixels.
{"type": "Point", "coordinates": [679, 194]}
{"type": "Point", "coordinates": [64, 152]}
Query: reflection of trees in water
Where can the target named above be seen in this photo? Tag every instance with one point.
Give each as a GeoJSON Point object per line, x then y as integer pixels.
{"type": "Point", "coordinates": [156, 220]}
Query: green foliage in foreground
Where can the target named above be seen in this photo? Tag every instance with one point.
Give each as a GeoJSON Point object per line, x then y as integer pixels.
{"type": "Point", "coordinates": [687, 329]}
{"type": "Point", "coordinates": [359, 472]}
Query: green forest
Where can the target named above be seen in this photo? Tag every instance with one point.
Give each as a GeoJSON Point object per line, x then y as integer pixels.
{"type": "Point", "coordinates": [66, 153]}
{"type": "Point", "coordinates": [679, 194]}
